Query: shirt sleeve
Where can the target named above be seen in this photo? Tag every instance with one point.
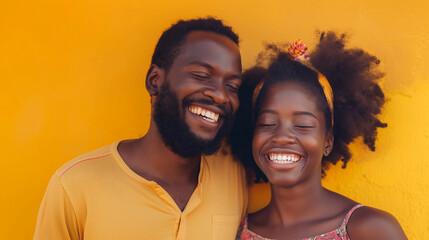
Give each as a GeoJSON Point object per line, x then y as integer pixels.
{"type": "Point", "coordinates": [57, 219]}
{"type": "Point", "coordinates": [245, 191]}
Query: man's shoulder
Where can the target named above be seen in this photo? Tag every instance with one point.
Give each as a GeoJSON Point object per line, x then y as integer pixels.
{"type": "Point", "coordinates": [223, 158]}
{"type": "Point", "coordinates": [88, 162]}
{"type": "Point", "coordinates": [222, 165]}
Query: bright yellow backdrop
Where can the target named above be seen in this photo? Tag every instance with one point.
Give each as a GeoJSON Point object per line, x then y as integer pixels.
{"type": "Point", "coordinates": [72, 80]}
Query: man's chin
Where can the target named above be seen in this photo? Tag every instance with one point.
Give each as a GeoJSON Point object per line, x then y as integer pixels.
{"type": "Point", "coordinates": [204, 137]}
{"type": "Point", "coordinates": [202, 129]}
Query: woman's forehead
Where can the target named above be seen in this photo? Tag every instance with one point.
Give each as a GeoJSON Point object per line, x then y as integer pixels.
{"type": "Point", "coordinates": [286, 94]}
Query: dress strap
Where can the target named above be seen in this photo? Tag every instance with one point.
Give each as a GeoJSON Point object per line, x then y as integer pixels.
{"type": "Point", "coordinates": [245, 222]}
{"type": "Point", "coordinates": [349, 214]}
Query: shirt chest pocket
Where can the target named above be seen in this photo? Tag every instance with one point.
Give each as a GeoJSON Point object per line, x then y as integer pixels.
{"type": "Point", "coordinates": [224, 227]}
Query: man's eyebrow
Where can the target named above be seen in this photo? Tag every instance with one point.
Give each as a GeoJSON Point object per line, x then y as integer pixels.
{"type": "Point", "coordinates": [305, 113]}
{"type": "Point", "coordinates": [203, 64]}
{"type": "Point", "coordinates": [236, 76]}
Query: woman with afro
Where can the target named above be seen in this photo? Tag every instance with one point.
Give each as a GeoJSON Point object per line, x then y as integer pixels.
{"type": "Point", "coordinates": [297, 116]}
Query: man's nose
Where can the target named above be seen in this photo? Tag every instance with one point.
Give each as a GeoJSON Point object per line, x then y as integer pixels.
{"type": "Point", "coordinates": [217, 93]}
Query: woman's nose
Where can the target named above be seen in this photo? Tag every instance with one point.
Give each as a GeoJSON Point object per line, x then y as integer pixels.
{"type": "Point", "coordinates": [284, 137]}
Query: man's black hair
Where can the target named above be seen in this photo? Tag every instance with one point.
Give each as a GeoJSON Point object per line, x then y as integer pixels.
{"type": "Point", "coordinates": [168, 46]}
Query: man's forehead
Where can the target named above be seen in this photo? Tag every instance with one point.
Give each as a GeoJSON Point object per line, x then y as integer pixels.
{"type": "Point", "coordinates": [207, 35]}
{"type": "Point", "coordinates": [201, 46]}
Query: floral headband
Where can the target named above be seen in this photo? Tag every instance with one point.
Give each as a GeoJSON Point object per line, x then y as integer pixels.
{"type": "Point", "coordinates": [297, 52]}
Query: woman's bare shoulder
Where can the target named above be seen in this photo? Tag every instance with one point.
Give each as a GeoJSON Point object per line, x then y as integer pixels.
{"type": "Point", "coordinates": [371, 223]}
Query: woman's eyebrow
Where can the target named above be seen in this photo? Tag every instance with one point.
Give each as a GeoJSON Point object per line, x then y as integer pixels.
{"type": "Point", "coordinates": [268, 111]}
{"type": "Point", "coordinates": [305, 113]}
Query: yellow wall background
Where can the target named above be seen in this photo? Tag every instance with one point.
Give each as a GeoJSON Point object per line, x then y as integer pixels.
{"type": "Point", "coordinates": [72, 80]}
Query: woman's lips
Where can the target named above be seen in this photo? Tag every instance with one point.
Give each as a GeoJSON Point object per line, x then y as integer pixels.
{"type": "Point", "coordinates": [283, 158]}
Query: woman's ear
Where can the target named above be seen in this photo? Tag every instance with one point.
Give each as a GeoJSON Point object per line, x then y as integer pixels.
{"type": "Point", "coordinates": [154, 79]}
{"type": "Point", "coordinates": [329, 144]}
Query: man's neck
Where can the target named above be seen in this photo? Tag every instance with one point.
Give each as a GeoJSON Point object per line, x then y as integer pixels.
{"type": "Point", "coordinates": [150, 158]}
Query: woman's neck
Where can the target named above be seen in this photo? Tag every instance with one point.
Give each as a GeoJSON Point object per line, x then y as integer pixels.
{"type": "Point", "coordinates": [295, 204]}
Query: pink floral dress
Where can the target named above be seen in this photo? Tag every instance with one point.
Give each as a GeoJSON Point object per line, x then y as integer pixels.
{"type": "Point", "coordinates": [337, 234]}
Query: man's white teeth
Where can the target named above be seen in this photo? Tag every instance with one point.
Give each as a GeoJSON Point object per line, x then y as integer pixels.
{"type": "Point", "coordinates": [205, 113]}
{"type": "Point", "coordinates": [283, 158]}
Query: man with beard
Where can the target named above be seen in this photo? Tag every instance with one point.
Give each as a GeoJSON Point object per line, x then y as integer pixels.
{"type": "Point", "coordinates": [162, 186]}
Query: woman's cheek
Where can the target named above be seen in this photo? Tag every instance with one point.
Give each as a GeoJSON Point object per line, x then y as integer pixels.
{"type": "Point", "coordinates": [313, 144]}
{"type": "Point", "coordinates": [257, 143]}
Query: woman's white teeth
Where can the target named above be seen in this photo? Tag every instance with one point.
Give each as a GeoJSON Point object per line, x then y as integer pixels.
{"type": "Point", "coordinates": [283, 158]}
{"type": "Point", "coordinates": [204, 113]}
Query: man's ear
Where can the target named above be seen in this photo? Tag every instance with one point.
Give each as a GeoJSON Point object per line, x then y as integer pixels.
{"type": "Point", "coordinates": [329, 144]}
{"type": "Point", "coordinates": [154, 79]}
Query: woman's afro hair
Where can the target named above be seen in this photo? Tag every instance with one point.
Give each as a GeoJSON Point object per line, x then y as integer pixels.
{"type": "Point", "coordinates": [358, 98]}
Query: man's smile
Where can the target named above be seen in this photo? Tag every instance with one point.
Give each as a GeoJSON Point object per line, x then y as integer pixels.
{"type": "Point", "coordinates": [204, 113]}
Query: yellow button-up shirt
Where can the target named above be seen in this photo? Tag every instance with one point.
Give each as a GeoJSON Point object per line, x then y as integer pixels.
{"type": "Point", "coordinates": [97, 196]}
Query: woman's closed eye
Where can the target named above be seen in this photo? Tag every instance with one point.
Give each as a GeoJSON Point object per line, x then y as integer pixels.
{"type": "Point", "coordinates": [305, 122]}
{"type": "Point", "coordinates": [305, 126]}
{"type": "Point", "coordinates": [267, 124]}
{"type": "Point", "coordinates": [266, 120]}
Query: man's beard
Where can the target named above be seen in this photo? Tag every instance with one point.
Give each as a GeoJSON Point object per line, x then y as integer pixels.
{"type": "Point", "coordinates": [176, 133]}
